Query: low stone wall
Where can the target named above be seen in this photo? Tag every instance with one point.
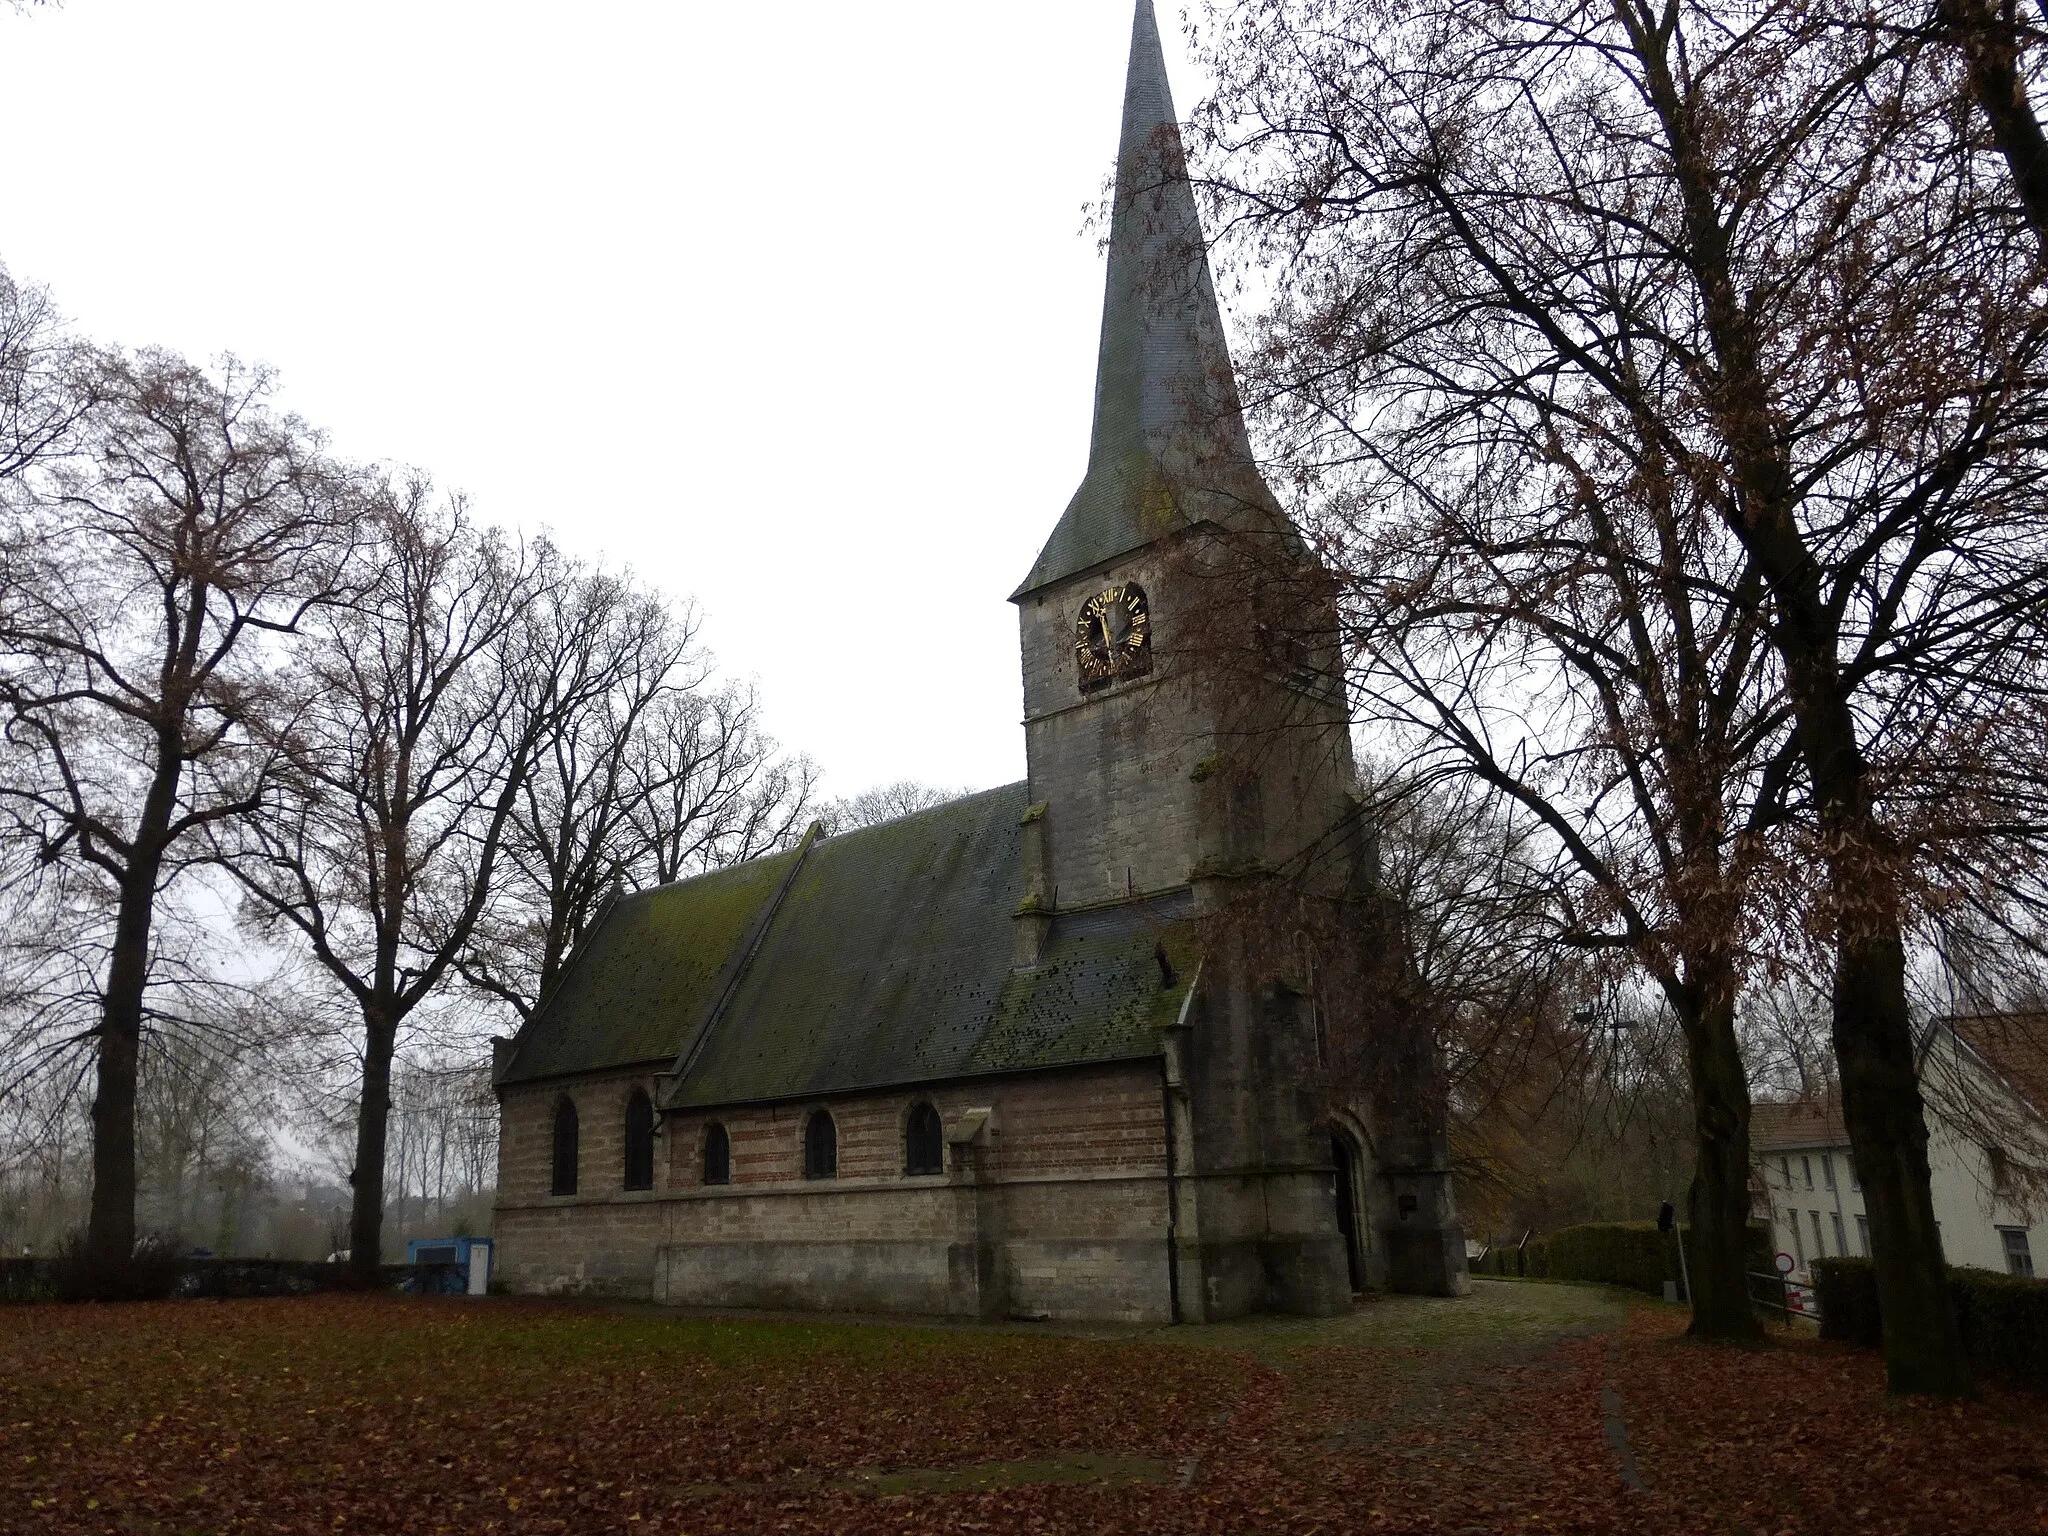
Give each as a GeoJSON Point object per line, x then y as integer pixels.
{"type": "Point", "coordinates": [223, 1279]}
{"type": "Point", "coordinates": [590, 1247]}
{"type": "Point", "coordinates": [930, 1277]}
{"type": "Point", "coordinates": [1120, 1280]}
{"type": "Point", "coordinates": [30, 1280]}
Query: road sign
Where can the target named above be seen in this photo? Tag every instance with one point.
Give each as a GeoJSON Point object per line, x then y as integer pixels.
{"type": "Point", "coordinates": [1785, 1263]}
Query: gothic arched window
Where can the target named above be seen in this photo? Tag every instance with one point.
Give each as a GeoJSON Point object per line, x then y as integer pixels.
{"type": "Point", "coordinates": [564, 1180]}
{"type": "Point", "coordinates": [717, 1155]}
{"type": "Point", "coordinates": [821, 1147]}
{"type": "Point", "coordinates": [639, 1141]}
{"type": "Point", "coordinates": [924, 1141]}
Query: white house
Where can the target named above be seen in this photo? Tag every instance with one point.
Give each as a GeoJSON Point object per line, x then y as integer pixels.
{"type": "Point", "coordinates": [1985, 1079]}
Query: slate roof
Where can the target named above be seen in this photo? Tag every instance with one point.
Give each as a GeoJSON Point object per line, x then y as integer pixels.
{"type": "Point", "coordinates": [885, 961]}
{"type": "Point", "coordinates": [1169, 444]}
{"type": "Point", "coordinates": [645, 977]}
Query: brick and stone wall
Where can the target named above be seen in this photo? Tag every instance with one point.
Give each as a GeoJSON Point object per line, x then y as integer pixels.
{"type": "Point", "coordinates": [599, 1241]}
{"type": "Point", "coordinates": [1057, 1207]}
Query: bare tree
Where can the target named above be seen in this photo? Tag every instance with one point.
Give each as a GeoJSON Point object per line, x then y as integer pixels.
{"type": "Point", "coordinates": [1737, 257]}
{"type": "Point", "coordinates": [660, 778]}
{"type": "Point", "coordinates": [1461, 882]}
{"type": "Point", "coordinates": [571, 836]}
{"type": "Point", "coordinates": [143, 588]}
{"type": "Point", "coordinates": [1587, 646]}
{"type": "Point", "coordinates": [45, 387]}
{"type": "Point", "coordinates": [54, 922]}
{"type": "Point", "coordinates": [885, 802]}
{"type": "Point", "coordinates": [206, 1100]}
{"type": "Point", "coordinates": [430, 701]}
{"type": "Point", "coordinates": [45, 1162]}
{"type": "Point", "coordinates": [446, 1120]}
{"type": "Point", "coordinates": [1641, 735]}
{"type": "Point", "coordinates": [1784, 1028]}
{"type": "Point", "coordinates": [714, 788]}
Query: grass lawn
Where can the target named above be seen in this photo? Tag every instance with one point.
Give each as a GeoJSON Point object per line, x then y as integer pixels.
{"type": "Point", "coordinates": [371, 1414]}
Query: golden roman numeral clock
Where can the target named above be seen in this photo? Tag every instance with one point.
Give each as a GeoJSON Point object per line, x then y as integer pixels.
{"type": "Point", "coordinates": [1113, 637]}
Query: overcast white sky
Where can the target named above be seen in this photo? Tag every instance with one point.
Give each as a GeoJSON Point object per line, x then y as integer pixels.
{"type": "Point", "coordinates": [789, 307]}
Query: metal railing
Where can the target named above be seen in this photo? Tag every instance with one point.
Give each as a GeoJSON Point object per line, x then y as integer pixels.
{"type": "Point", "coordinates": [1781, 1293]}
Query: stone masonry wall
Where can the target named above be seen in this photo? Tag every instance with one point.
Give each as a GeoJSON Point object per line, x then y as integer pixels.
{"type": "Point", "coordinates": [601, 1240]}
{"type": "Point", "coordinates": [1113, 766]}
{"type": "Point", "coordinates": [1060, 1211]}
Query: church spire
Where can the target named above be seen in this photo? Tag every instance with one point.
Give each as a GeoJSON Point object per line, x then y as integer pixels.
{"type": "Point", "coordinates": [1169, 443]}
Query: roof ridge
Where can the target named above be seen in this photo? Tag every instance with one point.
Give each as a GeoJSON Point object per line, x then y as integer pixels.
{"type": "Point", "coordinates": [736, 964]}
{"type": "Point", "coordinates": [926, 810]}
{"type": "Point", "coordinates": [648, 892]}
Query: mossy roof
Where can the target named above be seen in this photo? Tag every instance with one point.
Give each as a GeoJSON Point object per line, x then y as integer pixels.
{"type": "Point", "coordinates": [644, 980]}
{"type": "Point", "coordinates": [886, 961]}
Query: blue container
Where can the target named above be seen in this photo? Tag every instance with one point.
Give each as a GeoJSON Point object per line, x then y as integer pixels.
{"type": "Point", "coordinates": [470, 1256]}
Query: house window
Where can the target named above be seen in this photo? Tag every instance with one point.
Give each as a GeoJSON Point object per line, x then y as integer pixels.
{"type": "Point", "coordinates": [1798, 1247]}
{"type": "Point", "coordinates": [2001, 1169]}
{"type": "Point", "coordinates": [2019, 1258]}
{"type": "Point", "coordinates": [564, 1179]}
{"type": "Point", "coordinates": [1806, 1168]}
{"type": "Point", "coordinates": [1820, 1247]}
{"type": "Point", "coordinates": [924, 1141]}
{"type": "Point", "coordinates": [639, 1141]}
{"type": "Point", "coordinates": [1827, 1168]}
{"type": "Point", "coordinates": [1854, 1182]}
{"type": "Point", "coordinates": [717, 1155]}
{"type": "Point", "coordinates": [1863, 1235]}
{"type": "Point", "coordinates": [1785, 1169]}
{"type": "Point", "coordinates": [821, 1147]}
{"type": "Point", "coordinates": [1841, 1240]}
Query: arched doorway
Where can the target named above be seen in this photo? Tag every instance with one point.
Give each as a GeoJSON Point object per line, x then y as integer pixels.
{"type": "Point", "coordinates": [1345, 1156]}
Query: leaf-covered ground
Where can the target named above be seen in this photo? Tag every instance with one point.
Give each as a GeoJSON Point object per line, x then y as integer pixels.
{"type": "Point", "coordinates": [359, 1414]}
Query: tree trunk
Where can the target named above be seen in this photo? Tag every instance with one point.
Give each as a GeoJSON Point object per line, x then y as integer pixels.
{"type": "Point", "coordinates": [1888, 1135]}
{"type": "Point", "coordinates": [366, 1216]}
{"type": "Point", "coordinates": [1922, 1352]}
{"type": "Point", "coordinates": [1719, 1201]}
{"type": "Point", "coordinates": [1991, 52]}
{"type": "Point", "coordinates": [110, 1227]}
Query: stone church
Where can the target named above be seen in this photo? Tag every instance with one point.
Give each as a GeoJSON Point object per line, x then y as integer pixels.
{"type": "Point", "coordinates": [981, 1060]}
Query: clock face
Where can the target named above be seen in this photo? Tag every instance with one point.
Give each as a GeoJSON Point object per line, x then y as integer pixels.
{"type": "Point", "coordinates": [1113, 638]}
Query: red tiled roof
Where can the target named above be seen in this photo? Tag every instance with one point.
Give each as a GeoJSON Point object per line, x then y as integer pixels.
{"type": "Point", "coordinates": [2016, 1047]}
{"type": "Point", "coordinates": [1814, 1122]}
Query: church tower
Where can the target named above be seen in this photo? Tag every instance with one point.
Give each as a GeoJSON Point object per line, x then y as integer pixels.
{"type": "Point", "coordinates": [1128, 724]}
{"type": "Point", "coordinates": [1170, 782]}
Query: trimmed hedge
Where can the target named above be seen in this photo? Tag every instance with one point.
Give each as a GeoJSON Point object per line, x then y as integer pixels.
{"type": "Point", "coordinates": [1499, 1259]}
{"type": "Point", "coordinates": [1847, 1292]}
{"type": "Point", "coordinates": [2003, 1318]}
{"type": "Point", "coordinates": [1630, 1253]}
